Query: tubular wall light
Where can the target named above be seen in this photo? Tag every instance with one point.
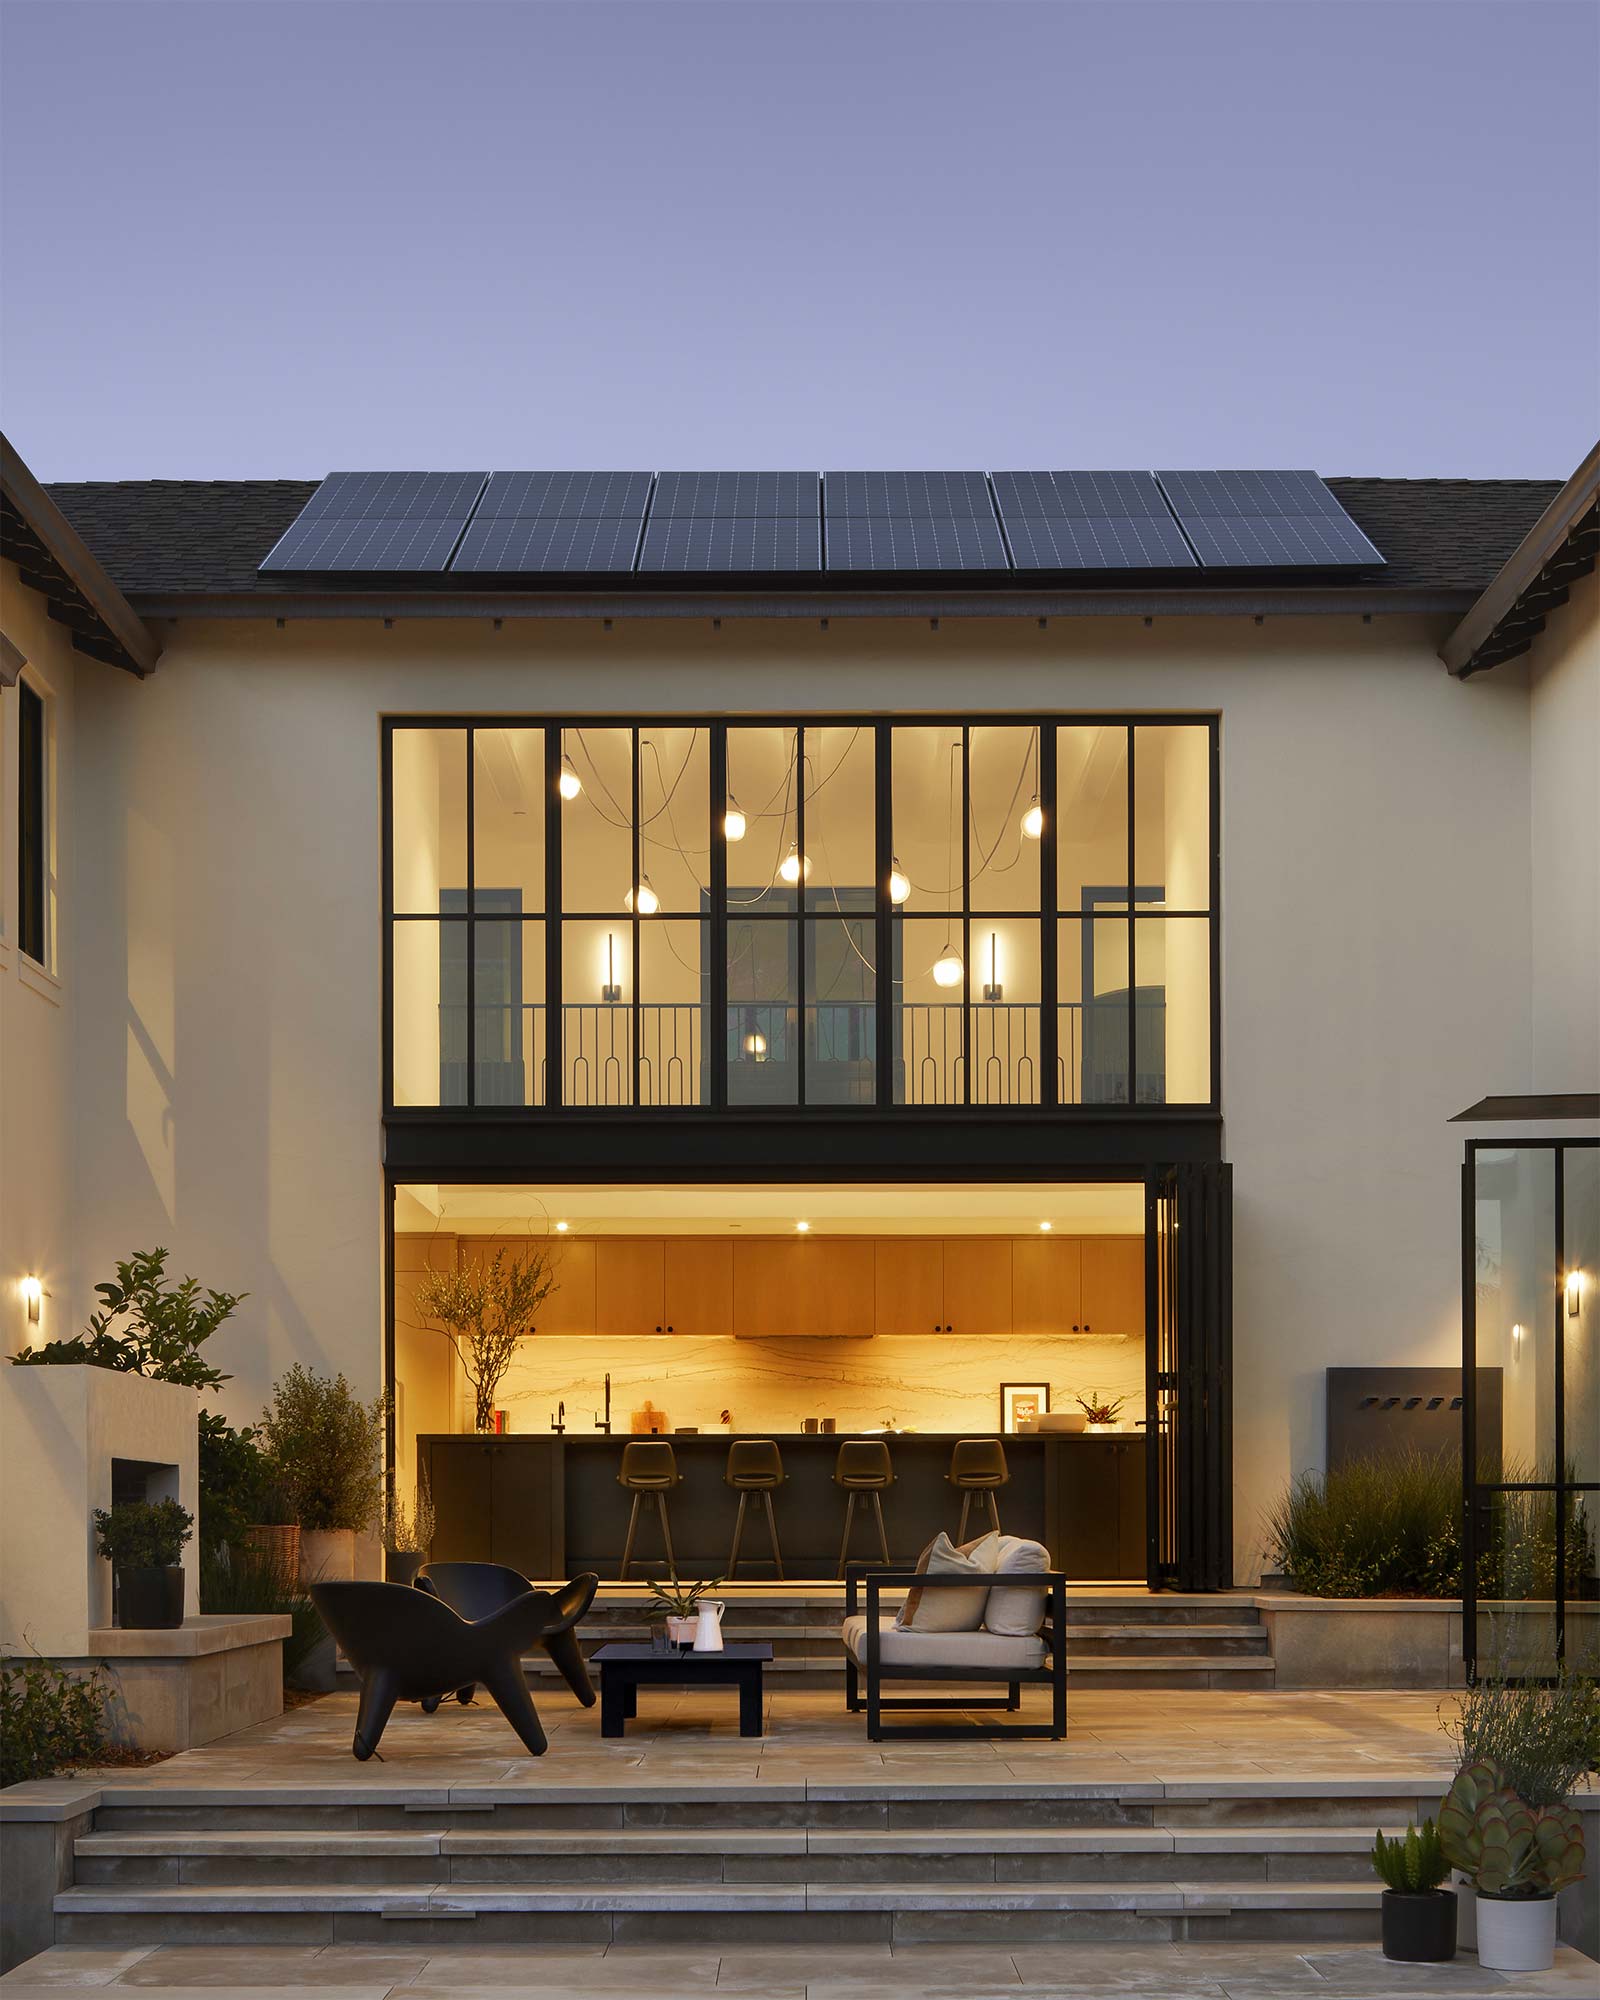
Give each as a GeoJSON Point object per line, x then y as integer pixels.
{"type": "Point", "coordinates": [1574, 1293]}
{"type": "Point", "coordinates": [994, 991]}
{"type": "Point", "coordinates": [611, 990]}
{"type": "Point", "coordinates": [569, 784]}
{"type": "Point", "coordinates": [733, 821]}
{"type": "Point", "coordinates": [1516, 1338]}
{"type": "Point", "coordinates": [32, 1292]}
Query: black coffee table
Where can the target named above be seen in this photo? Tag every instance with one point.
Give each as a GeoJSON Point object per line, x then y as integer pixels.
{"type": "Point", "coordinates": [624, 1669]}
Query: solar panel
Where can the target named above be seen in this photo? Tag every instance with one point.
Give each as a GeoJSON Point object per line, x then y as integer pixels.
{"type": "Point", "coordinates": [1266, 520]}
{"type": "Point", "coordinates": [919, 496]}
{"type": "Point", "coordinates": [387, 521]}
{"type": "Point", "coordinates": [748, 544]}
{"type": "Point", "coordinates": [1041, 541]}
{"type": "Point", "coordinates": [730, 495]}
{"type": "Point", "coordinates": [953, 542]}
{"type": "Point", "coordinates": [1089, 496]}
{"type": "Point", "coordinates": [565, 496]}
{"type": "Point", "coordinates": [534, 547]}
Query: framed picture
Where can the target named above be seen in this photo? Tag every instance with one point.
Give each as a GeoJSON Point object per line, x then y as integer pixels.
{"type": "Point", "coordinates": [1022, 1399]}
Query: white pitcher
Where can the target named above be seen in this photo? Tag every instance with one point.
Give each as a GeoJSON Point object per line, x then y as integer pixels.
{"type": "Point", "coordinates": [708, 1627]}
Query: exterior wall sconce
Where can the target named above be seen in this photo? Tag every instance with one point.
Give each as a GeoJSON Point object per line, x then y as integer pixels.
{"type": "Point", "coordinates": [1574, 1294]}
{"type": "Point", "coordinates": [1516, 1339]}
{"type": "Point", "coordinates": [610, 989]}
{"type": "Point", "coordinates": [994, 991]}
{"type": "Point", "coordinates": [32, 1293]}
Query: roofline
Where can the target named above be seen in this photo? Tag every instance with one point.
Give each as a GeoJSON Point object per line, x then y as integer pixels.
{"type": "Point", "coordinates": [67, 550]}
{"type": "Point", "coordinates": [1543, 545]}
{"type": "Point", "coordinates": [978, 603]}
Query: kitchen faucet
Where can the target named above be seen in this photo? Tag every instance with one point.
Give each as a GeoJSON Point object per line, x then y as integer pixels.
{"type": "Point", "coordinates": [558, 1423]}
{"type": "Point", "coordinates": [606, 1425]}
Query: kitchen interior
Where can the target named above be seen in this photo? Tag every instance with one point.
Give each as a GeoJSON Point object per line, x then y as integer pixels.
{"type": "Point", "coordinates": [920, 1314]}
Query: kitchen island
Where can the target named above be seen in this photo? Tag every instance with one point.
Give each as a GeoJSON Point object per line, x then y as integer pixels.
{"type": "Point", "coordinates": [551, 1505]}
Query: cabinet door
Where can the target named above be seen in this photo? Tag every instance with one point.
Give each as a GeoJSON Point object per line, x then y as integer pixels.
{"type": "Point", "coordinates": [908, 1277]}
{"type": "Point", "coordinates": [629, 1274]}
{"type": "Point", "coordinates": [570, 1307]}
{"type": "Point", "coordinates": [1045, 1273]}
{"type": "Point", "coordinates": [977, 1284]}
{"type": "Point", "coordinates": [699, 1285]}
{"type": "Point", "coordinates": [823, 1288]}
{"type": "Point", "coordinates": [459, 1472]}
{"type": "Point", "coordinates": [1113, 1284]}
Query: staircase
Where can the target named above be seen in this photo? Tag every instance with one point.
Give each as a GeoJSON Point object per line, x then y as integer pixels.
{"type": "Point", "coordinates": [752, 1862]}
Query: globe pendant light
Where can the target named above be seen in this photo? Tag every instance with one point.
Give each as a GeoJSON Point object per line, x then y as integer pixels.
{"type": "Point", "coordinates": [948, 968]}
{"type": "Point", "coordinates": [1033, 819]}
{"type": "Point", "coordinates": [794, 865]}
{"type": "Point", "coordinates": [899, 883]}
{"type": "Point", "coordinates": [733, 821]}
{"type": "Point", "coordinates": [644, 899]}
{"type": "Point", "coordinates": [569, 784]}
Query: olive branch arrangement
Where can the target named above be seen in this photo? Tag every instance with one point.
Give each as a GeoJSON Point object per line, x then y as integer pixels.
{"type": "Point", "coordinates": [483, 1310]}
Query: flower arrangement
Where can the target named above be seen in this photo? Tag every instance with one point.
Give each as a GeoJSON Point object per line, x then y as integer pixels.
{"type": "Point", "coordinates": [483, 1309]}
{"type": "Point", "coordinates": [1099, 1412]}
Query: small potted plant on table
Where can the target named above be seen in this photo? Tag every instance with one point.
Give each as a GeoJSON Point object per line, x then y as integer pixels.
{"type": "Point", "coordinates": [143, 1541]}
{"type": "Point", "coordinates": [679, 1604]}
{"type": "Point", "coordinates": [1518, 1857]}
{"type": "Point", "coordinates": [1419, 1915]}
{"type": "Point", "coordinates": [1102, 1415]}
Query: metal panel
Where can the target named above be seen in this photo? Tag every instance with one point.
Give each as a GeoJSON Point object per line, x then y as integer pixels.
{"type": "Point", "coordinates": [1062, 542]}
{"type": "Point", "coordinates": [727, 495]}
{"type": "Point", "coordinates": [565, 496]}
{"type": "Point", "coordinates": [952, 542]}
{"type": "Point", "coordinates": [906, 495]}
{"type": "Point", "coordinates": [511, 547]}
{"type": "Point", "coordinates": [749, 543]}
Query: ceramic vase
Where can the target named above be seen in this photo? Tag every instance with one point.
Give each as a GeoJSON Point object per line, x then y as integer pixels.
{"type": "Point", "coordinates": [1516, 1934]}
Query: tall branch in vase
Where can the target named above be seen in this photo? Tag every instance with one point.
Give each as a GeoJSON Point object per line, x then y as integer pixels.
{"type": "Point", "coordinates": [483, 1310]}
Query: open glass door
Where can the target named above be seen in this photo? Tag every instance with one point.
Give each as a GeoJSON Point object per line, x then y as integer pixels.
{"type": "Point", "coordinates": [1189, 1377]}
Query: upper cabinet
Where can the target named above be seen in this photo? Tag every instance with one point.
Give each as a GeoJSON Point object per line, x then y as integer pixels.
{"type": "Point", "coordinates": [570, 1307]}
{"type": "Point", "coordinates": [977, 1284]}
{"type": "Point", "coordinates": [804, 1285]}
{"type": "Point", "coordinates": [630, 1281]}
{"type": "Point", "coordinates": [1113, 1285]}
{"type": "Point", "coordinates": [1046, 1275]}
{"type": "Point", "coordinates": [908, 1273]}
{"type": "Point", "coordinates": [698, 1286]}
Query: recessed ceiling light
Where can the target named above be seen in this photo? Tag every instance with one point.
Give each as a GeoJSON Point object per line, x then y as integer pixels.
{"type": "Point", "coordinates": [563, 1227]}
{"type": "Point", "coordinates": [1047, 1225]}
{"type": "Point", "coordinates": [802, 1227]}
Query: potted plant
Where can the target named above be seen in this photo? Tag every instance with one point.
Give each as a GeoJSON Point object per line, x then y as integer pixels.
{"type": "Point", "coordinates": [1518, 1857]}
{"type": "Point", "coordinates": [325, 1450]}
{"type": "Point", "coordinates": [275, 1538]}
{"type": "Point", "coordinates": [1102, 1416]}
{"type": "Point", "coordinates": [678, 1603]}
{"type": "Point", "coordinates": [143, 1542]}
{"type": "Point", "coordinates": [407, 1533]}
{"type": "Point", "coordinates": [483, 1310]}
{"type": "Point", "coordinates": [1419, 1915]}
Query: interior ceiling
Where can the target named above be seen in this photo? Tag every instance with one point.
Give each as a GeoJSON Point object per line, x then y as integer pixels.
{"type": "Point", "coordinates": [1079, 1208]}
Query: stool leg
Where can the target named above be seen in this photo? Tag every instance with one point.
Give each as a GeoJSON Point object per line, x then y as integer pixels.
{"type": "Point", "coordinates": [666, 1536]}
{"type": "Point", "coordinates": [633, 1529]}
{"type": "Point", "coordinates": [738, 1535]}
{"type": "Point", "coordinates": [772, 1531]}
{"type": "Point", "coordinates": [883, 1539]}
{"type": "Point", "coordinates": [966, 1502]}
{"type": "Point", "coordinates": [994, 1508]}
{"type": "Point", "coordinates": [844, 1546]}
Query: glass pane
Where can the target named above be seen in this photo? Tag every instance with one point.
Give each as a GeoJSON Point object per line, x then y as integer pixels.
{"type": "Point", "coordinates": [1172, 816]}
{"type": "Point", "coordinates": [1583, 1578]}
{"type": "Point", "coordinates": [430, 816]}
{"type": "Point", "coordinates": [1003, 1028]}
{"type": "Point", "coordinates": [927, 817]}
{"type": "Point", "coordinates": [1517, 1297]}
{"type": "Point", "coordinates": [597, 1013]}
{"type": "Point", "coordinates": [1092, 807]}
{"type": "Point", "coordinates": [430, 1013]}
{"type": "Point", "coordinates": [760, 821]}
{"type": "Point", "coordinates": [1516, 1583]}
{"type": "Point", "coordinates": [841, 1014]}
{"type": "Point", "coordinates": [672, 1053]}
{"type": "Point", "coordinates": [508, 799]}
{"type": "Point", "coordinates": [508, 1058]}
{"type": "Point", "coordinates": [1092, 1007]}
{"type": "Point", "coordinates": [596, 823]}
{"type": "Point", "coordinates": [674, 816]}
{"type": "Point", "coordinates": [930, 1066]}
{"type": "Point", "coordinates": [763, 1011]}
{"type": "Point", "coordinates": [841, 832]}
{"type": "Point", "coordinates": [1172, 1001]}
{"type": "Point", "coordinates": [1006, 818]}
{"type": "Point", "coordinates": [1579, 1310]}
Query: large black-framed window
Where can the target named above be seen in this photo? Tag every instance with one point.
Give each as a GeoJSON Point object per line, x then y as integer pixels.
{"type": "Point", "coordinates": [808, 913]}
{"type": "Point", "coordinates": [33, 824]}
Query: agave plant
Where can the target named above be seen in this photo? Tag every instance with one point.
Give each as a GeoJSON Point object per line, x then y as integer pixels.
{"type": "Point", "coordinates": [1510, 1849]}
{"type": "Point", "coordinates": [1412, 1863]}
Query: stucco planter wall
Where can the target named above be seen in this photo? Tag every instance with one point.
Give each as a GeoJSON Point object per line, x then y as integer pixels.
{"type": "Point", "coordinates": [1359, 1642]}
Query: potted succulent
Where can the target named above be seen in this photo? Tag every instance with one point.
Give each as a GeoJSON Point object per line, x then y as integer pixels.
{"type": "Point", "coordinates": [1518, 1857]}
{"type": "Point", "coordinates": [1102, 1415]}
{"type": "Point", "coordinates": [1419, 1914]}
{"type": "Point", "coordinates": [679, 1604]}
{"type": "Point", "coordinates": [407, 1533]}
{"type": "Point", "coordinates": [143, 1541]}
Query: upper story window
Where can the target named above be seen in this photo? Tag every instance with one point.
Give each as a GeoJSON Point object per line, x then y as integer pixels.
{"type": "Point", "coordinates": [808, 913]}
{"type": "Point", "coordinates": [34, 873]}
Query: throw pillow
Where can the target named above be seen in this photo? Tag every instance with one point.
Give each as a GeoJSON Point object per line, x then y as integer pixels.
{"type": "Point", "coordinates": [1012, 1610]}
{"type": "Point", "coordinates": [947, 1610]}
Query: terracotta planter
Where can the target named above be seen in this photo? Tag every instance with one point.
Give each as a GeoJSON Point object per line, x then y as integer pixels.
{"type": "Point", "coordinates": [149, 1600]}
{"type": "Point", "coordinates": [327, 1555]}
{"type": "Point", "coordinates": [1516, 1934]}
{"type": "Point", "coordinates": [1419, 1928]}
{"type": "Point", "coordinates": [279, 1546]}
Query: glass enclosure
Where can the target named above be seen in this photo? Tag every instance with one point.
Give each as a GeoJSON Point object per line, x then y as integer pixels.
{"type": "Point", "coordinates": [1531, 1329]}
{"type": "Point", "coordinates": [807, 913]}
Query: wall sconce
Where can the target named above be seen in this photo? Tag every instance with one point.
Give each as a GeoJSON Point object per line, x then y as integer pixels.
{"type": "Point", "coordinates": [32, 1293]}
{"type": "Point", "coordinates": [610, 989]}
{"type": "Point", "coordinates": [1574, 1294]}
{"type": "Point", "coordinates": [994, 991]}
{"type": "Point", "coordinates": [1516, 1339]}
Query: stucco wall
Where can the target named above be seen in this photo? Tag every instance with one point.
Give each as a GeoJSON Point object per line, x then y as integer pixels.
{"type": "Point", "coordinates": [1376, 940]}
{"type": "Point", "coordinates": [1564, 678]}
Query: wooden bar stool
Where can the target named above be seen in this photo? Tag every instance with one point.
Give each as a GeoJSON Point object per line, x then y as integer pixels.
{"type": "Point", "coordinates": [649, 1472]}
{"type": "Point", "coordinates": [978, 1466]}
{"type": "Point", "coordinates": [863, 1466]}
{"type": "Point", "coordinates": [755, 1465]}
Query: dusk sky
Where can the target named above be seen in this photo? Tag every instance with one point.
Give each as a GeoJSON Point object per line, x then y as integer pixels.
{"type": "Point", "coordinates": [279, 239]}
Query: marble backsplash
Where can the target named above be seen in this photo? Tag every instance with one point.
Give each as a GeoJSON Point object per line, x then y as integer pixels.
{"type": "Point", "coordinates": [948, 1384]}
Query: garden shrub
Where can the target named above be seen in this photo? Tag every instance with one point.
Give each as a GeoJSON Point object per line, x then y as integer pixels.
{"type": "Point", "coordinates": [325, 1449]}
{"type": "Point", "coordinates": [50, 1720]}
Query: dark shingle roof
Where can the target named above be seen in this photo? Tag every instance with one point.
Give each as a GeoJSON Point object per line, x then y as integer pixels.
{"type": "Point", "coordinates": [164, 538]}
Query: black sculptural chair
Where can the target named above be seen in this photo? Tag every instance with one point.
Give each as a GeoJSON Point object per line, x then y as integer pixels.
{"type": "Point", "coordinates": [408, 1645]}
{"type": "Point", "coordinates": [478, 1590]}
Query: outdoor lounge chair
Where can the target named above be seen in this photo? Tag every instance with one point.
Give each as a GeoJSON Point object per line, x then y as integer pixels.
{"type": "Point", "coordinates": [408, 1645]}
{"type": "Point", "coordinates": [877, 1648]}
{"type": "Point", "coordinates": [478, 1590]}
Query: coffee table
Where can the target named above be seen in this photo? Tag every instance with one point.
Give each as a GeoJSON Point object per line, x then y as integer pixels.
{"type": "Point", "coordinates": [624, 1669]}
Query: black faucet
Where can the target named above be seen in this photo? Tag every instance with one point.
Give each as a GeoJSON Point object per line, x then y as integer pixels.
{"type": "Point", "coordinates": [606, 1425]}
{"type": "Point", "coordinates": [558, 1423]}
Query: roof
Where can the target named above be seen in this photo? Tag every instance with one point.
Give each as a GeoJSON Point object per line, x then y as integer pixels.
{"type": "Point", "coordinates": [178, 545]}
{"type": "Point", "coordinates": [1560, 547]}
{"type": "Point", "coordinates": [53, 560]}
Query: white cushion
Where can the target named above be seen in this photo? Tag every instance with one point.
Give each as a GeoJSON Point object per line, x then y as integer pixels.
{"type": "Point", "coordinates": [947, 1610]}
{"type": "Point", "coordinates": [986, 1652]}
{"type": "Point", "coordinates": [1014, 1611]}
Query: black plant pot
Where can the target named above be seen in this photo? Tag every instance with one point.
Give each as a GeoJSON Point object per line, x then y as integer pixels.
{"type": "Point", "coordinates": [401, 1565]}
{"type": "Point", "coordinates": [149, 1600]}
{"type": "Point", "coordinates": [1420, 1928]}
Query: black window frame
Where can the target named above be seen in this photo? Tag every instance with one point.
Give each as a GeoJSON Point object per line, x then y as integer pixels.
{"type": "Point", "coordinates": [553, 916]}
{"type": "Point", "coordinates": [33, 823]}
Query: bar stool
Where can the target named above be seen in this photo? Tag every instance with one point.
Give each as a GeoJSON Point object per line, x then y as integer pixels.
{"type": "Point", "coordinates": [863, 1467]}
{"type": "Point", "coordinates": [755, 1465]}
{"type": "Point", "coordinates": [649, 1472]}
{"type": "Point", "coordinates": [978, 1465]}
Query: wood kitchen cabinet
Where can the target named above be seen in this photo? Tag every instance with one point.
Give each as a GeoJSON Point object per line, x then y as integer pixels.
{"type": "Point", "coordinates": [698, 1284]}
{"type": "Point", "coordinates": [570, 1307]}
{"type": "Point", "coordinates": [977, 1284]}
{"type": "Point", "coordinates": [908, 1273]}
{"type": "Point", "coordinates": [1112, 1300]}
{"type": "Point", "coordinates": [1046, 1277]}
{"type": "Point", "coordinates": [784, 1286]}
{"type": "Point", "coordinates": [629, 1285]}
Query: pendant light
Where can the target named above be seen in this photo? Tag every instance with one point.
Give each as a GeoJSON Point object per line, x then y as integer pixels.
{"type": "Point", "coordinates": [948, 969]}
{"type": "Point", "coordinates": [795, 865]}
{"type": "Point", "coordinates": [733, 821]}
{"type": "Point", "coordinates": [899, 882]}
{"type": "Point", "coordinates": [1033, 820]}
{"type": "Point", "coordinates": [569, 784]}
{"type": "Point", "coordinates": [643, 899]}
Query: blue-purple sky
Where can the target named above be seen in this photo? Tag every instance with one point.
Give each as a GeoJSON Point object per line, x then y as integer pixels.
{"type": "Point", "coordinates": [279, 238]}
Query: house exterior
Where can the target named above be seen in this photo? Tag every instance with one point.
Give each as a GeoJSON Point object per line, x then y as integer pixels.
{"type": "Point", "coordinates": [1370, 896]}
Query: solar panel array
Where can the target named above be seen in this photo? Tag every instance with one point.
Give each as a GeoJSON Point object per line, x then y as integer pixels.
{"type": "Point", "coordinates": [511, 525]}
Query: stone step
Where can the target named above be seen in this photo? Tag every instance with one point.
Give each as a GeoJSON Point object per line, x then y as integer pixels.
{"type": "Point", "coordinates": [1097, 1639]}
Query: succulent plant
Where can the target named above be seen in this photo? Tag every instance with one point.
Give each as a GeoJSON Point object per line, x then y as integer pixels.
{"type": "Point", "coordinates": [1413, 1862]}
{"type": "Point", "coordinates": [1509, 1849]}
